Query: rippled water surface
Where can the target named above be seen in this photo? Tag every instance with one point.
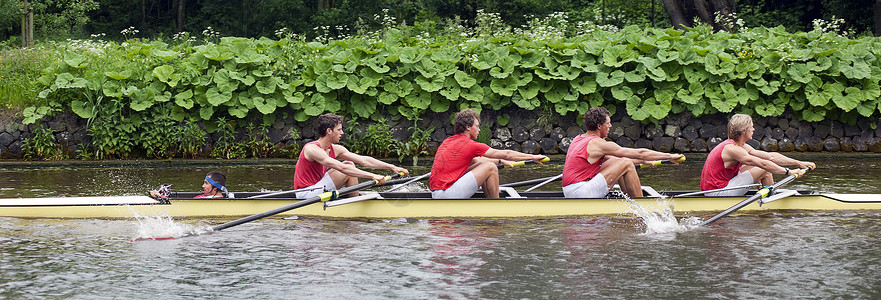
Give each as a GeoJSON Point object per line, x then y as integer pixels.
{"type": "Point", "coordinates": [770, 255]}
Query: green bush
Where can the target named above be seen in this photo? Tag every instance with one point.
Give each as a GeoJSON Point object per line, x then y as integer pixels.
{"type": "Point", "coordinates": [401, 72]}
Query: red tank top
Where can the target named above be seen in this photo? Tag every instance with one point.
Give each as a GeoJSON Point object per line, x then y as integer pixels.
{"type": "Point", "coordinates": [452, 160]}
{"type": "Point", "coordinates": [307, 173]}
{"type": "Point", "coordinates": [715, 175]}
{"type": "Point", "coordinates": [577, 168]}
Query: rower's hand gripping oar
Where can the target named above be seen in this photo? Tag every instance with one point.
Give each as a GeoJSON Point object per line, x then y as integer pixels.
{"type": "Point", "coordinates": [764, 192]}
{"type": "Point", "coordinates": [523, 163]}
{"type": "Point", "coordinates": [659, 162]}
{"type": "Point", "coordinates": [326, 196]}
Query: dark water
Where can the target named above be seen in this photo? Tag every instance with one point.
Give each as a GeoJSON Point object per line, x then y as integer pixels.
{"type": "Point", "coordinates": [770, 255]}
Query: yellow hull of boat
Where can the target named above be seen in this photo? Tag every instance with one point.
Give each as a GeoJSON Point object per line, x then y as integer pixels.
{"type": "Point", "coordinates": [142, 206]}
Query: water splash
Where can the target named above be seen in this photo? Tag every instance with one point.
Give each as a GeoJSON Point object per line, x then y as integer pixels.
{"type": "Point", "coordinates": [163, 228]}
{"type": "Point", "coordinates": [660, 219]}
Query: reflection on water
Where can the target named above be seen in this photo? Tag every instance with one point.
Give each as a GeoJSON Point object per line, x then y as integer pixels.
{"type": "Point", "coordinates": [766, 255]}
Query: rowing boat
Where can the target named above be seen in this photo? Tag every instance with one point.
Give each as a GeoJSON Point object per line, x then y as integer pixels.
{"type": "Point", "coordinates": [416, 205]}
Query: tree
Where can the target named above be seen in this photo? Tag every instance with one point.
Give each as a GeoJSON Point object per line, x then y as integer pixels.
{"type": "Point", "coordinates": [682, 12]}
{"type": "Point", "coordinates": [877, 17]}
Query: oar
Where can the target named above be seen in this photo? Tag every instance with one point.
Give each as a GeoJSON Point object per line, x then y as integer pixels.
{"type": "Point", "coordinates": [523, 163]}
{"type": "Point", "coordinates": [285, 192]}
{"type": "Point", "coordinates": [659, 162]}
{"type": "Point", "coordinates": [418, 178]}
{"type": "Point", "coordinates": [759, 194]}
{"type": "Point", "coordinates": [527, 182]}
{"type": "Point", "coordinates": [393, 182]}
{"type": "Point", "coordinates": [315, 199]}
{"type": "Point", "coordinates": [719, 190]}
{"type": "Point", "coordinates": [319, 198]}
{"type": "Point", "coordinates": [554, 178]}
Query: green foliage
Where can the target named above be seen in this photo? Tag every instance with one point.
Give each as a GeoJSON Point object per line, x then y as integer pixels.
{"type": "Point", "coordinates": [375, 141]}
{"type": "Point", "coordinates": [226, 146]}
{"type": "Point", "coordinates": [42, 145]}
{"type": "Point", "coordinates": [61, 18]}
{"type": "Point", "coordinates": [19, 69]}
{"type": "Point", "coordinates": [134, 93]}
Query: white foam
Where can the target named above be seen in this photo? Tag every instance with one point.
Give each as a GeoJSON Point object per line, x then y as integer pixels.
{"type": "Point", "coordinates": [660, 219]}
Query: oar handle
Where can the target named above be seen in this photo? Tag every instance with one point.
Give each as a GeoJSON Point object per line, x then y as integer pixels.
{"type": "Point", "coordinates": [524, 162]}
{"type": "Point", "coordinates": [659, 162]}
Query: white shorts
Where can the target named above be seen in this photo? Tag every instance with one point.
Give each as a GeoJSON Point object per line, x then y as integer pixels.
{"type": "Point", "coordinates": [596, 187]}
{"type": "Point", "coordinates": [743, 178]}
{"type": "Point", "coordinates": [463, 188]}
{"type": "Point", "coordinates": [325, 184]}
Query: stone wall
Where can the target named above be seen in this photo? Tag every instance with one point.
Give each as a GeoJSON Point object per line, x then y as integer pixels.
{"type": "Point", "coordinates": [540, 132]}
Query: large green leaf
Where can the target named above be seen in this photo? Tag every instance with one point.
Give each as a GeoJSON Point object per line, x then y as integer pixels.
{"type": "Point", "coordinates": [119, 75]}
{"type": "Point", "coordinates": [184, 99]}
{"type": "Point", "coordinates": [264, 105]}
{"type": "Point", "coordinates": [74, 60]}
{"type": "Point", "coordinates": [317, 105]}
{"type": "Point", "coordinates": [267, 86]}
{"type": "Point", "coordinates": [859, 69]}
{"type": "Point", "coordinates": [165, 73]}
{"type": "Point", "coordinates": [411, 55]}
{"type": "Point", "coordinates": [692, 95]}
{"type": "Point", "coordinates": [464, 80]}
{"type": "Point", "coordinates": [378, 64]}
{"type": "Point", "coordinates": [430, 84]}
{"type": "Point", "coordinates": [850, 99]}
{"type": "Point", "coordinates": [819, 93]}
{"type": "Point", "coordinates": [83, 109]}
{"type": "Point", "coordinates": [451, 89]}
{"type": "Point", "coordinates": [217, 97]}
{"type": "Point", "coordinates": [68, 81]}
{"type": "Point", "coordinates": [420, 100]}
{"type": "Point", "coordinates": [584, 84]}
{"type": "Point", "coordinates": [800, 73]}
{"type": "Point", "coordinates": [528, 104]}
{"type": "Point", "coordinates": [614, 78]}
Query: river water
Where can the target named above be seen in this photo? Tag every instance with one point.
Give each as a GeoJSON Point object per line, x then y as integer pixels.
{"type": "Point", "coordinates": [793, 254]}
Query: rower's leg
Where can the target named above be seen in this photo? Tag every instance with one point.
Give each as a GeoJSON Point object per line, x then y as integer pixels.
{"type": "Point", "coordinates": [341, 180]}
{"type": "Point", "coordinates": [759, 175]}
{"type": "Point", "coordinates": [623, 172]}
{"type": "Point", "coordinates": [487, 175]}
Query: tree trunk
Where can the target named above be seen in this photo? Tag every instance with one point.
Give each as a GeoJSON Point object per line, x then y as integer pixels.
{"type": "Point", "coordinates": [677, 16]}
{"type": "Point", "coordinates": [877, 17]}
{"type": "Point", "coordinates": [324, 4]}
{"type": "Point", "coordinates": [143, 14]}
{"type": "Point", "coordinates": [703, 12]}
{"type": "Point", "coordinates": [181, 4]}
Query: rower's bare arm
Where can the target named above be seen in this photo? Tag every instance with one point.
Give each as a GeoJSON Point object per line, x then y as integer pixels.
{"type": "Point", "coordinates": [745, 155]}
{"type": "Point", "coordinates": [778, 158]}
{"type": "Point", "coordinates": [512, 155]}
{"type": "Point", "coordinates": [316, 154]}
{"type": "Point", "coordinates": [610, 148]}
{"type": "Point", "coordinates": [369, 162]}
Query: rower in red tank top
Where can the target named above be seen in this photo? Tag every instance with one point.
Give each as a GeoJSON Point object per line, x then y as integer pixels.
{"type": "Point", "coordinates": [319, 164]}
{"type": "Point", "coordinates": [734, 163]}
{"type": "Point", "coordinates": [593, 165]}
